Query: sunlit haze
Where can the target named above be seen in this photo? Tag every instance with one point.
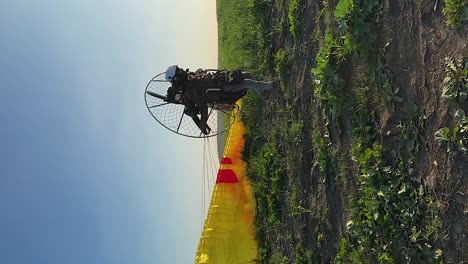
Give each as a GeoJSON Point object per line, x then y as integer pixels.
{"type": "Point", "coordinates": [88, 176]}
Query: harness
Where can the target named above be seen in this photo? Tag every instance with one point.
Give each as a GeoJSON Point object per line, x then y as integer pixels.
{"type": "Point", "coordinates": [221, 77]}
{"type": "Point", "coordinates": [207, 84]}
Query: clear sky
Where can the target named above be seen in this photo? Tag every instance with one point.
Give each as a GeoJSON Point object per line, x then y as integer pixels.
{"type": "Point", "coordinates": [86, 174]}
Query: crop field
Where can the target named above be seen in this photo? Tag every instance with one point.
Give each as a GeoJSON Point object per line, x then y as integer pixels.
{"type": "Point", "coordinates": [361, 154]}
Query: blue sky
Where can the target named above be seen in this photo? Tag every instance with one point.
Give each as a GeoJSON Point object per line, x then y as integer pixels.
{"type": "Point", "coordinates": [87, 176]}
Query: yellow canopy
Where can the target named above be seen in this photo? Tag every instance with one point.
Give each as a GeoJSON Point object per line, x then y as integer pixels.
{"type": "Point", "coordinates": [228, 235]}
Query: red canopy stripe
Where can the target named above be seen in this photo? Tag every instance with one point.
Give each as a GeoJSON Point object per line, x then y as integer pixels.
{"type": "Point", "coordinates": [226, 176]}
{"type": "Point", "coordinates": [226, 160]}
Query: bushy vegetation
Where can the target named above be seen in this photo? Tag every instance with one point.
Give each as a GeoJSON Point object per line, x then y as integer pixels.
{"type": "Point", "coordinates": [392, 215]}
{"type": "Point", "coordinates": [455, 139]}
{"type": "Point", "coordinates": [456, 80]}
{"type": "Point", "coordinates": [455, 90]}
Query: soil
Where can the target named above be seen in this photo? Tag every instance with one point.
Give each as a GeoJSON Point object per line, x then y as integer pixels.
{"type": "Point", "coordinates": [416, 40]}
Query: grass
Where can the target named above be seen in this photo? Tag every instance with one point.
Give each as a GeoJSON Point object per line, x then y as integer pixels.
{"type": "Point", "coordinates": [456, 12]}
{"type": "Point", "coordinates": [294, 16]}
{"type": "Point", "coordinates": [244, 43]}
{"type": "Point", "coordinates": [340, 256]}
{"type": "Point", "coordinates": [239, 41]}
{"type": "Point", "coordinates": [281, 64]}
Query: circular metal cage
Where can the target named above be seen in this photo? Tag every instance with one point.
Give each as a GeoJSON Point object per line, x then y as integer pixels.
{"type": "Point", "coordinates": [172, 117]}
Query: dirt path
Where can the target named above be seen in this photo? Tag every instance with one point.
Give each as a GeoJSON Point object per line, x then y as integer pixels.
{"type": "Point", "coordinates": [416, 41]}
{"type": "Point", "coordinates": [419, 41]}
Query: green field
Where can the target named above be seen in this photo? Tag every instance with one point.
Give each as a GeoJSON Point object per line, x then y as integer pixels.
{"type": "Point", "coordinates": [348, 163]}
